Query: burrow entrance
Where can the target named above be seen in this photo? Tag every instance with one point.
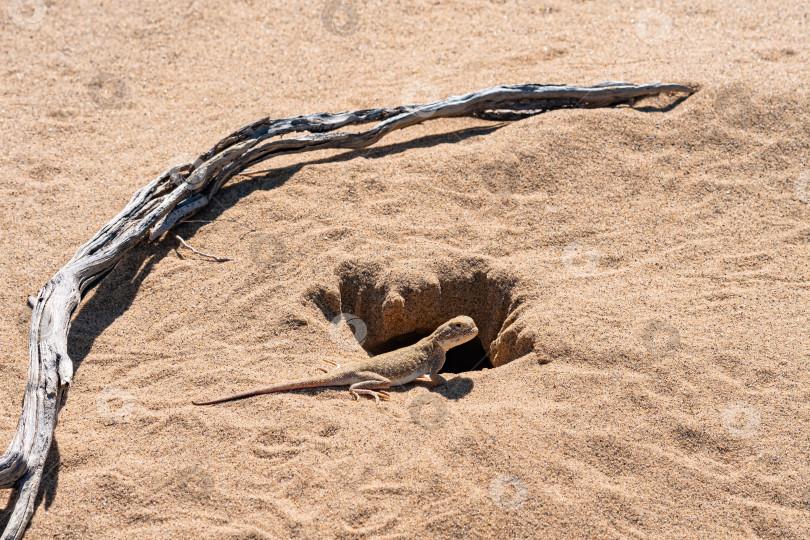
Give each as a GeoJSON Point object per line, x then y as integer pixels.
{"type": "Point", "coordinates": [392, 306]}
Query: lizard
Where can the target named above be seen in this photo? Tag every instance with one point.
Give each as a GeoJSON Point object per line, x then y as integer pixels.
{"type": "Point", "coordinates": [372, 376]}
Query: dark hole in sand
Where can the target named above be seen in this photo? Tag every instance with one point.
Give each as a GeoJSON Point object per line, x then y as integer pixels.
{"type": "Point", "coordinates": [390, 309]}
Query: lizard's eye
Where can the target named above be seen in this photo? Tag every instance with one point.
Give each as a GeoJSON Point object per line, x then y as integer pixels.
{"type": "Point", "coordinates": [457, 325]}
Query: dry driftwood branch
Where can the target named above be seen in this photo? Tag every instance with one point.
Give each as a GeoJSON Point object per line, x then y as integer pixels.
{"type": "Point", "coordinates": [182, 191]}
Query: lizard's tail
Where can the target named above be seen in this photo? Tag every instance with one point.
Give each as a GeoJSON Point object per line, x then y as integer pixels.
{"type": "Point", "coordinates": [235, 397]}
{"type": "Point", "coordinates": [309, 382]}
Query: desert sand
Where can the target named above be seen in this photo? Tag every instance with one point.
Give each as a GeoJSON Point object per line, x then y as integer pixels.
{"type": "Point", "coordinates": [640, 275]}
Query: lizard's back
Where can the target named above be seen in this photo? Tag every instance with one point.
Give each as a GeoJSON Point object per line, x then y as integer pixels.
{"type": "Point", "coordinates": [400, 366]}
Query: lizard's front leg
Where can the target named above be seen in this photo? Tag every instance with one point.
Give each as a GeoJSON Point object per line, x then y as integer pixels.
{"type": "Point", "coordinates": [369, 386]}
{"type": "Point", "coordinates": [433, 378]}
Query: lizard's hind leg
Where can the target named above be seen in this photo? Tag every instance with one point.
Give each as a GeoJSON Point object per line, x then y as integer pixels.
{"type": "Point", "coordinates": [371, 387]}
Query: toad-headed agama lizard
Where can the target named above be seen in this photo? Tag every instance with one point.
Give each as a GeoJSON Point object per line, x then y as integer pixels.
{"type": "Point", "coordinates": [420, 361]}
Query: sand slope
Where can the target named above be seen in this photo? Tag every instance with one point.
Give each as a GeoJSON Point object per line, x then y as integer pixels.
{"type": "Point", "coordinates": [641, 274]}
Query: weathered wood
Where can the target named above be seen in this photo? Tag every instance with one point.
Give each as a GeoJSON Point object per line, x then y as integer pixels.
{"type": "Point", "coordinates": [182, 191]}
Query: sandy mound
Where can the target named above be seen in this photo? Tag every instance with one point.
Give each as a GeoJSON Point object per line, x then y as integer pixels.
{"type": "Point", "coordinates": [639, 275]}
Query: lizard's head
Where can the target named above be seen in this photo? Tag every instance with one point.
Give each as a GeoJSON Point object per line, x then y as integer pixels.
{"type": "Point", "coordinates": [456, 331]}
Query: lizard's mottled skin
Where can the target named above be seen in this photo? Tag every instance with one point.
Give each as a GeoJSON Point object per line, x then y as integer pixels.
{"type": "Point", "coordinates": [420, 361]}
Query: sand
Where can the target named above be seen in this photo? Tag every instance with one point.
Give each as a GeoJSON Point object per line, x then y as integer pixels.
{"type": "Point", "coordinates": [639, 276]}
